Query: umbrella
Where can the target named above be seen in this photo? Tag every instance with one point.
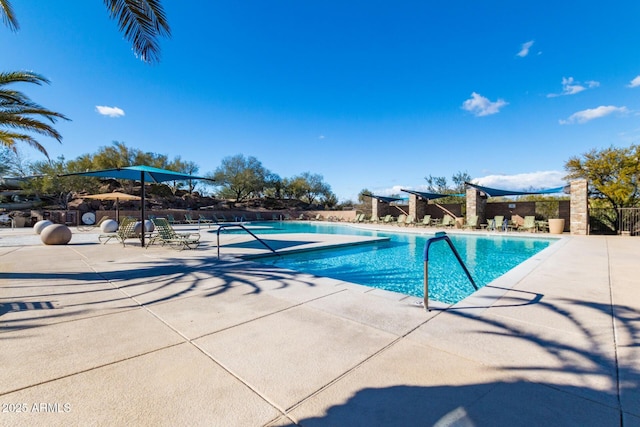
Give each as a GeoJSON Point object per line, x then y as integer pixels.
{"type": "Point", "coordinates": [117, 196]}
{"type": "Point", "coordinates": [140, 173]}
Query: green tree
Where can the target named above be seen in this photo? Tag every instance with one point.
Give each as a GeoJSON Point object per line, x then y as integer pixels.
{"type": "Point", "coordinates": [437, 184]}
{"type": "Point", "coordinates": [459, 180]}
{"type": "Point", "coordinates": [240, 177]}
{"type": "Point", "coordinates": [309, 187]}
{"type": "Point", "coordinates": [183, 166]}
{"type": "Point", "coordinates": [612, 174]}
{"type": "Point", "coordinates": [141, 21]}
{"type": "Point", "coordinates": [20, 117]}
{"type": "Point", "coordinates": [274, 186]}
{"type": "Point", "coordinates": [61, 188]}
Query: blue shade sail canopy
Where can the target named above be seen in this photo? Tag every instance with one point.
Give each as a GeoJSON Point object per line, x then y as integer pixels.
{"type": "Point", "coordinates": [384, 199]}
{"type": "Point", "coordinates": [495, 192]}
{"type": "Point", "coordinates": [430, 196]}
{"type": "Point", "coordinates": [139, 173]}
{"type": "Point", "coordinates": [143, 174]}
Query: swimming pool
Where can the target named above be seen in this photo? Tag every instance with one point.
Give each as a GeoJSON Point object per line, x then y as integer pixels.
{"type": "Point", "coordinates": [397, 264]}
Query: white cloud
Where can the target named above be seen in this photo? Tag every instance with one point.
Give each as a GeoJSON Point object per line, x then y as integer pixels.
{"type": "Point", "coordinates": [571, 87]}
{"type": "Point", "coordinates": [635, 82]}
{"type": "Point", "coordinates": [523, 181]}
{"type": "Point", "coordinates": [593, 113]}
{"type": "Point", "coordinates": [481, 106]}
{"type": "Point", "coordinates": [321, 137]}
{"type": "Point", "coordinates": [109, 111]}
{"type": "Point", "coordinates": [392, 191]}
{"type": "Point", "coordinates": [524, 51]}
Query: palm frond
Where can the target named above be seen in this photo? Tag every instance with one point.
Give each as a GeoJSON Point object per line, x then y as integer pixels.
{"type": "Point", "coordinates": [142, 22]}
{"type": "Point", "coordinates": [19, 113]}
{"type": "Point", "coordinates": [8, 17]}
{"type": "Point", "coordinates": [9, 140]}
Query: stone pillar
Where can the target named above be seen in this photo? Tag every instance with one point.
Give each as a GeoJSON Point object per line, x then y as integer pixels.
{"type": "Point", "coordinates": [378, 208]}
{"type": "Point", "coordinates": [579, 223]}
{"type": "Point", "coordinates": [417, 206]}
{"type": "Point", "coordinates": [476, 204]}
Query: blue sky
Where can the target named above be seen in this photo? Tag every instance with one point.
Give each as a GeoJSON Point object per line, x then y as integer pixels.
{"type": "Point", "coordinates": [369, 94]}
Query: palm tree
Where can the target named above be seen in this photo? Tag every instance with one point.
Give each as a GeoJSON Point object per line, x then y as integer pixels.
{"type": "Point", "coordinates": [18, 114]}
{"type": "Point", "coordinates": [141, 21]}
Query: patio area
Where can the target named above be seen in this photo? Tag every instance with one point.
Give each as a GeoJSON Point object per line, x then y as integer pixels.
{"type": "Point", "coordinates": [106, 335]}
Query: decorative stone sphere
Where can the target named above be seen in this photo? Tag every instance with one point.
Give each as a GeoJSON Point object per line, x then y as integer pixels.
{"type": "Point", "coordinates": [148, 227]}
{"type": "Point", "coordinates": [56, 234]}
{"type": "Point", "coordinates": [108, 226]}
{"type": "Point", "coordinates": [41, 225]}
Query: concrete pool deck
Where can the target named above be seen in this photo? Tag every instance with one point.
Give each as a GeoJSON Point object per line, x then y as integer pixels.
{"type": "Point", "coordinates": [105, 335]}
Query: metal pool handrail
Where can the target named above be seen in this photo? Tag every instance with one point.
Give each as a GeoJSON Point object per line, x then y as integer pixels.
{"type": "Point", "coordinates": [223, 226]}
{"type": "Point", "coordinates": [440, 236]}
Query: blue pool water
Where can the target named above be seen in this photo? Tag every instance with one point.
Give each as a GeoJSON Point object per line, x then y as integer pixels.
{"type": "Point", "coordinates": [398, 265]}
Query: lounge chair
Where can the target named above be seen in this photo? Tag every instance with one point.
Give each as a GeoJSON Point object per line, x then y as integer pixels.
{"type": "Point", "coordinates": [205, 220]}
{"type": "Point", "coordinates": [472, 222]}
{"type": "Point", "coordinates": [166, 235]}
{"type": "Point", "coordinates": [448, 221]}
{"type": "Point", "coordinates": [126, 230]}
{"type": "Point", "coordinates": [500, 224]}
{"type": "Point", "coordinates": [189, 220]}
{"type": "Point", "coordinates": [529, 224]}
{"type": "Point", "coordinates": [172, 220]}
{"type": "Point", "coordinates": [401, 219]}
{"type": "Point", "coordinates": [426, 221]}
{"type": "Point", "coordinates": [410, 220]}
{"type": "Point", "coordinates": [388, 219]}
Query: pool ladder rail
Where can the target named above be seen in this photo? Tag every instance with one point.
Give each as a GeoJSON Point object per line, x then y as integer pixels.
{"type": "Point", "coordinates": [441, 236]}
{"type": "Point", "coordinates": [225, 226]}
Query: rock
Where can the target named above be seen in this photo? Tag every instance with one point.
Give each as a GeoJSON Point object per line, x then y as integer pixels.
{"type": "Point", "coordinates": [109, 226]}
{"type": "Point", "coordinates": [41, 225]}
{"type": "Point", "coordinates": [148, 226]}
{"type": "Point", "coordinates": [56, 234]}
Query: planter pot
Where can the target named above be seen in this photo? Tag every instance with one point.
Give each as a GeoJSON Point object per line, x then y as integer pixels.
{"type": "Point", "coordinates": [556, 225]}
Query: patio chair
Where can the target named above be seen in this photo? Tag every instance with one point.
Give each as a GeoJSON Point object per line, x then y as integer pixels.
{"type": "Point", "coordinates": [126, 230]}
{"type": "Point", "coordinates": [388, 219]}
{"type": "Point", "coordinates": [448, 221]}
{"type": "Point", "coordinates": [189, 220]}
{"type": "Point", "coordinates": [205, 220]}
{"type": "Point", "coordinates": [410, 220]}
{"type": "Point", "coordinates": [529, 224]}
{"type": "Point", "coordinates": [426, 221]}
{"type": "Point", "coordinates": [166, 235]}
{"type": "Point", "coordinates": [172, 220]}
{"type": "Point", "coordinates": [472, 223]}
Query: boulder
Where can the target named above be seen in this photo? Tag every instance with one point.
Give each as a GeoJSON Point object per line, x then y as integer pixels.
{"type": "Point", "coordinates": [148, 226]}
{"type": "Point", "coordinates": [109, 226]}
{"type": "Point", "coordinates": [56, 234]}
{"type": "Point", "coordinates": [41, 225]}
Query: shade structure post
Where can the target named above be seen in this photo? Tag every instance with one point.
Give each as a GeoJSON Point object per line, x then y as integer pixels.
{"type": "Point", "coordinates": [142, 229]}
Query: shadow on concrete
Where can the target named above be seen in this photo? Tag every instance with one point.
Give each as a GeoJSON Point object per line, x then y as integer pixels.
{"type": "Point", "coordinates": [525, 401]}
{"type": "Point", "coordinates": [84, 293]}
{"type": "Point", "coordinates": [506, 404]}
